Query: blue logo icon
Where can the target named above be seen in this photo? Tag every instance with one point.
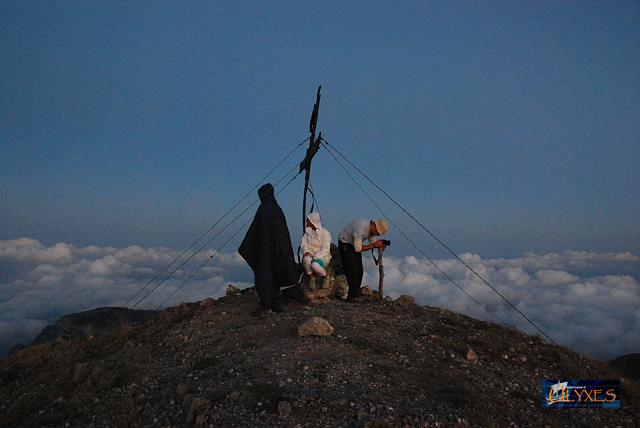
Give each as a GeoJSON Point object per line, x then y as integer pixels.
{"type": "Point", "coordinates": [581, 393]}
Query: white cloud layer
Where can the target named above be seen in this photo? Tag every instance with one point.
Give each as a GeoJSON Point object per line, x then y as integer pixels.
{"type": "Point", "coordinates": [587, 301]}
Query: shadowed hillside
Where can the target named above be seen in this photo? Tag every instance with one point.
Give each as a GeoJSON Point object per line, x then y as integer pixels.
{"type": "Point", "coordinates": [385, 364]}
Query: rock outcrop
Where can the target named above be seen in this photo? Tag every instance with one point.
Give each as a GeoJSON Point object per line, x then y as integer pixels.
{"type": "Point", "coordinates": [94, 322]}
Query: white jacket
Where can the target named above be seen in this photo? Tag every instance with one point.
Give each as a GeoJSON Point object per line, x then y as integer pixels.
{"type": "Point", "coordinates": [317, 242]}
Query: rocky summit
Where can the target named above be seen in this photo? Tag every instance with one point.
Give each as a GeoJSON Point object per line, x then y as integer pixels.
{"type": "Point", "coordinates": [365, 364]}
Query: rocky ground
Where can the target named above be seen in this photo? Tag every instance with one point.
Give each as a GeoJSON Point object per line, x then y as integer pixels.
{"type": "Point", "coordinates": [384, 364]}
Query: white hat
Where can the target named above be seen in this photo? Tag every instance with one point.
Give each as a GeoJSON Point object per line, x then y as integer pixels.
{"type": "Point", "coordinates": [314, 218]}
{"type": "Point", "coordinates": [381, 225]}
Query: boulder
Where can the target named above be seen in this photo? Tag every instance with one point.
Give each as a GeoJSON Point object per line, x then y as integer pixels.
{"type": "Point", "coordinates": [471, 355]}
{"type": "Point", "coordinates": [232, 290]}
{"type": "Point", "coordinates": [405, 300]}
{"type": "Point", "coordinates": [315, 326]}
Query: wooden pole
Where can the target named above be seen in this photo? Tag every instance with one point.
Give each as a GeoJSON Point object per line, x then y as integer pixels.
{"type": "Point", "coordinates": [380, 273]}
{"type": "Point", "coordinates": [314, 144]}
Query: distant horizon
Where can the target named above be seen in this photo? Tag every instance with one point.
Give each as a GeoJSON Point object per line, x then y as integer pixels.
{"type": "Point", "coordinates": [40, 283]}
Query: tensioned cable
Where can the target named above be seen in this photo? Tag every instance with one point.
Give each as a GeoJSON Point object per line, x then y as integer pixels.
{"type": "Point", "coordinates": [206, 243]}
{"type": "Point", "coordinates": [206, 232]}
{"type": "Point", "coordinates": [219, 248]}
{"type": "Point", "coordinates": [315, 198]}
{"type": "Point", "coordinates": [440, 242]}
{"type": "Point", "coordinates": [413, 243]}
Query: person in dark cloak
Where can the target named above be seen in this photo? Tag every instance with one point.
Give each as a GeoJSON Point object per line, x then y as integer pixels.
{"type": "Point", "coordinates": [267, 249]}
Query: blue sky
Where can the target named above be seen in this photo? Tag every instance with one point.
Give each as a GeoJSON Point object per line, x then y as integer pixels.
{"type": "Point", "coordinates": [507, 127]}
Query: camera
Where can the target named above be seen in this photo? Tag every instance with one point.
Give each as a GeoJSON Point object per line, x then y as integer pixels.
{"type": "Point", "coordinates": [386, 242]}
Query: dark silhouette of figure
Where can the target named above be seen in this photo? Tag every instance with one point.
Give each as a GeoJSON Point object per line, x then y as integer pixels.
{"type": "Point", "coordinates": [267, 249]}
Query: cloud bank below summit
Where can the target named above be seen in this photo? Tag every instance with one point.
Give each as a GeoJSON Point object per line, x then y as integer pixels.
{"type": "Point", "coordinates": [587, 301]}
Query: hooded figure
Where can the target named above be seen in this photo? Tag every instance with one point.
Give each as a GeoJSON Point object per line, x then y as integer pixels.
{"type": "Point", "coordinates": [316, 246]}
{"type": "Point", "coordinates": [267, 249]}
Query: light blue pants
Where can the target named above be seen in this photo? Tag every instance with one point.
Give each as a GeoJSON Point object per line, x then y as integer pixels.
{"type": "Point", "coordinates": [313, 265]}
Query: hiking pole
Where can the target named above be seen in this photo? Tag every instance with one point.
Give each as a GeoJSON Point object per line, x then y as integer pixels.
{"type": "Point", "coordinates": [380, 273]}
{"type": "Point", "coordinates": [378, 263]}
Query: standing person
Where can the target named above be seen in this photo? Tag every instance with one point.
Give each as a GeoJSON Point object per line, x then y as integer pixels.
{"type": "Point", "coordinates": [316, 246]}
{"type": "Point", "coordinates": [351, 248]}
{"type": "Point", "coordinates": [267, 249]}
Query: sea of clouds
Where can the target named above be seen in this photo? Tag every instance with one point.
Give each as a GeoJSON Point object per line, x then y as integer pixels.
{"type": "Point", "coordinates": [587, 301]}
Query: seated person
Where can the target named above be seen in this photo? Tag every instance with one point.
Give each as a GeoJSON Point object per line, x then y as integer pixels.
{"type": "Point", "coordinates": [316, 246]}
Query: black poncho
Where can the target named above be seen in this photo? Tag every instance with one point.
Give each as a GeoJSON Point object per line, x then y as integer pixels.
{"type": "Point", "coordinates": [267, 249]}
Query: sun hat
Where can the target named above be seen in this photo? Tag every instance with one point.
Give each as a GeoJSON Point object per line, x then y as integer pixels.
{"type": "Point", "coordinates": [381, 225]}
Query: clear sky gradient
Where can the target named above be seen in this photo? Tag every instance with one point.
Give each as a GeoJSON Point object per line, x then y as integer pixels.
{"type": "Point", "coordinates": [507, 127]}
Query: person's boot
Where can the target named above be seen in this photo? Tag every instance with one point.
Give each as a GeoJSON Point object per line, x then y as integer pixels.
{"type": "Point", "coordinates": [295, 293]}
{"type": "Point", "coordinates": [354, 297]}
{"type": "Point", "coordinates": [276, 308]}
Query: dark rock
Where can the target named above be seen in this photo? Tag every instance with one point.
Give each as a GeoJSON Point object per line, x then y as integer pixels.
{"type": "Point", "coordinates": [629, 365]}
{"type": "Point", "coordinates": [197, 404]}
{"type": "Point", "coordinates": [80, 372]}
{"type": "Point", "coordinates": [284, 409]}
{"type": "Point", "coordinates": [182, 389]}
